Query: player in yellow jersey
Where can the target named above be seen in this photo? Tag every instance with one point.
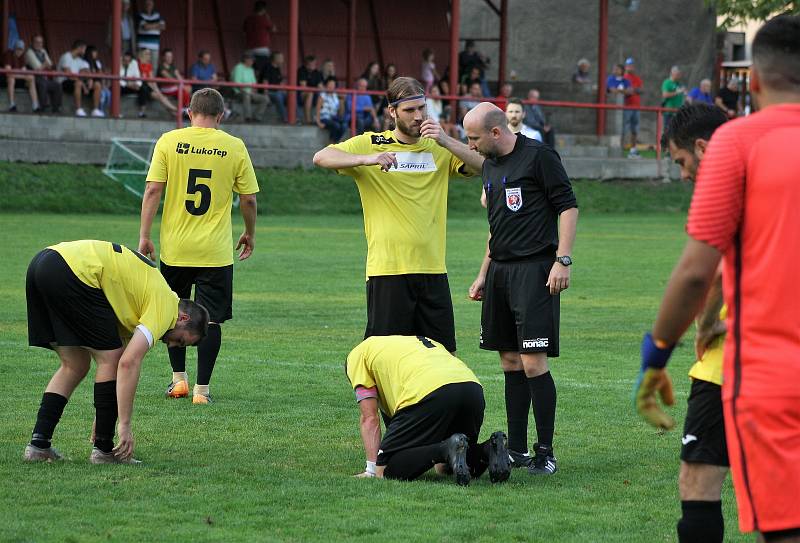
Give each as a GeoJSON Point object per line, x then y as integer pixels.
{"type": "Point", "coordinates": [95, 299]}
{"type": "Point", "coordinates": [704, 454]}
{"type": "Point", "coordinates": [402, 176]}
{"type": "Point", "coordinates": [198, 169]}
{"type": "Point", "coordinates": [433, 407]}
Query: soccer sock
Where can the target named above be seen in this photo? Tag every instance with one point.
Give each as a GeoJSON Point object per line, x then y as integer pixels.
{"type": "Point", "coordinates": [409, 464]}
{"type": "Point", "coordinates": [543, 395]}
{"type": "Point", "coordinates": [200, 389]}
{"type": "Point", "coordinates": [50, 411]}
{"type": "Point", "coordinates": [518, 404]}
{"type": "Point", "coordinates": [177, 359]}
{"type": "Point", "coordinates": [105, 405]}
{"type": "Point", "coordinates": [180, 376]}
{"type": "Point", "coordinates": [207, 353]}
{"type": "Point", "coordinates": [702, 522]}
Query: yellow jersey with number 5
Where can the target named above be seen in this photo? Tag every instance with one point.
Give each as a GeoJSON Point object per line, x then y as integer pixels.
{"type": "Point", "coordinates": [202, 168]}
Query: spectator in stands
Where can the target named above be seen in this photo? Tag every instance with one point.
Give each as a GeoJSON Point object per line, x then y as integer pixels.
{"type": "Point", "coordinates": [328, 69]}
{"type": "Point", "coordinates": [127, 29]}
{"type": "Point", "coordinates": [72, 62]}
{"type": "Point", "coordinates": [244, 73]}
{"type": "Point", "coordinates": [428, 71]}
{"type": "Point", "coordinates": [146, 70]}
{"type": "Point", "coordinates": [515, 115]}
{"type": "Point", "coordinates": [129, 67]}
{"type": "Point", "coordinates": [92, 58]}
{"type": "Point", "coordinates": [168, 70]}
{"type": "Point", "coordinates": [616, 84]}
{"type": "Point", "coordinates": [436, 110]}
{"type": "Point", "coordinates": [470, 101]}
{"type": "Point", "coordinates": [581, 74]}
{"type": "Point", "coordinates": [506, 90]}
{"type": "Point", "coordinates": [535, 118]}
{"type": "Point", "coordinates": [15, 60]}
{"type": "Point", "coordinates": [672, 92]}
{"type": "Point", "coordinates": [389, 75]}
{"type": "Point", "coordinates": [203, 70]}
{"type": "Point", "coordinates": [633, 98]}
{"type": "Point", "coordinates": [470, 58]}
{"type": "Point", "coordinates": [48, 90]}
{"type": "Point", "coordinates": [372, 74]}
{"type": "Point", "coordinates": [329, 111]}
{"type": "Point", "coordinates": [366, 117]}
{"type": "Point", "coordinates": [258, 29]}
{"type": "Point", "coordinates": [728, 98]}
{"type": "Point", "coordinates": [273, 75]}
{"type": "Point", "coordinates": [701, 94]}
{"type": "Point", "coordinates": [151, 25]}
{"type": "Point", "coordinates": [309, 76]}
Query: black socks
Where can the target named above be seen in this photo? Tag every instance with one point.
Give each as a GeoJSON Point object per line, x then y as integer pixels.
{"type": "Point", "coordinates": [105, 404]}
{"type": "Point", "coordinates": [50, 411]}
{"type": "Point", "coordinates": [543, 395]}
{"type": "Point", "coordinates": [518, 405]}
{"type": "Point", "coordinates": [207, 352]}
{"type": "Point", "coordinates": [702, 522]}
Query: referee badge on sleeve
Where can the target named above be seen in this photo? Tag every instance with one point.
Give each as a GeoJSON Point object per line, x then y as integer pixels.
{"type": "Point", "coordinates": [514, 198]}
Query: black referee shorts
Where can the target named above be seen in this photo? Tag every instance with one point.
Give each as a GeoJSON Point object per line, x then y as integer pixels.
{"type": "Point", "coordinates": [451, 409]}
{"type": "Point", "coordinates": [213, 287]}
{"type": "Point", "coordinates": [703, 440]}
{"type": "Point", "coordinates": [519, 314]}
{"type": "Point", "coordinates": [416, 304]}
{"type": "Point", "coordinates": [65, 311]}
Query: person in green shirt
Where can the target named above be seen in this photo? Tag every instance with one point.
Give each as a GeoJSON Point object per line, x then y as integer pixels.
{"type": "Point", "coordinates": [244, 73]}
{"type": "Point", "coordinates": [673, 92]}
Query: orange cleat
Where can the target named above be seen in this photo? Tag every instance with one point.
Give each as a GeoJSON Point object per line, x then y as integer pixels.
{"type": "Point", "coordinates": [178, 389]}
{"type": "Point", "coordinates": [202, 399]}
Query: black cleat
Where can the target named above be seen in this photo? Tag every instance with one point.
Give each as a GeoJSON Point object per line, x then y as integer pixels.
{"type": "Point", "coordinates": [519, 460]}
{"type": "Point", "coordinates": [455, 451]}
{"type": "Point", "coordinates": [499, 459]}
{"type": "Point", "coordinates": [544, 463]}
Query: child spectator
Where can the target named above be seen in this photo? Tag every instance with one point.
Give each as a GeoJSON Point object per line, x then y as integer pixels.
{"type": "Point", "coordinates": [429, 74]}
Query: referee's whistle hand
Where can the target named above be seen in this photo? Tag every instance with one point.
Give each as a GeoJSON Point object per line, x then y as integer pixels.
{"type": "Point", "coordinates": [558, 279]}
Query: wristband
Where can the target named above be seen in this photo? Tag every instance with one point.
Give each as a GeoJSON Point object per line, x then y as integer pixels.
{"type": "Point", "coordinates": [654, 356]}
{"type": "Point", "coordinates": [370, 468]}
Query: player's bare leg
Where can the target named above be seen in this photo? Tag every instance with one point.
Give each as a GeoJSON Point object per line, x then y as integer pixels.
{"type": "Point", "coordinates": [700, 488]}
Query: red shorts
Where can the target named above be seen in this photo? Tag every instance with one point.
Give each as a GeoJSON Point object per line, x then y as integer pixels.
{"type": "Point", "coordinates": [763, 437]}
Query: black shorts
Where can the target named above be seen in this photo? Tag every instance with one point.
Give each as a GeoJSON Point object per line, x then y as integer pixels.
{"type": "Point", "coordinates": [519, 314]}
{"type": "Point", "coordinates": [213, 287]}
{"type": "Point", "coordinates": [65, 311]}
{"type": "Point", "coordinates": [704, 429]}
{"type": "Point", "coordinates": [416, 304]}
{"type": "Point", "coordinates": [452, 409]}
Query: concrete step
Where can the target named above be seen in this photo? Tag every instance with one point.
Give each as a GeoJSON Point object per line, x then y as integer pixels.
{"type": "Point", "coordinates": [619, 168]}
{"type": "Point", "coordinates": [584, 151]}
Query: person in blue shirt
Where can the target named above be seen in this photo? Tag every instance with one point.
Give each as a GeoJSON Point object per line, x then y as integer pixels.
{"type": "Point", "coordinates": [616, 82]}
{"type": "Point", "coordinates": [203, 69]}
{"type": "Point", "coordinates": [366, 117]}
{"type": "Point", "coordinates": [701, 94]}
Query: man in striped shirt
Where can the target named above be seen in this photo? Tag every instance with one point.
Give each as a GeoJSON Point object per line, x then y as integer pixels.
{"type": "Point", "coordinates": [151, 25]}
{"type": "Point", "coordinates": [744, 211]}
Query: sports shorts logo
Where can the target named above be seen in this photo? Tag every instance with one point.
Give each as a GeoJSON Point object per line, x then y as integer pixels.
{"type": "Point", "coordinates": [380, 139]}
{"type": "Point", "coordinates": [183, 149]}
{"type": "Point", "coordinates": [688, 438]}
{"type": "Point", "coordinates": [538, 343]}
{"type": "Point", "coordinates": [514, 198]}
{"type": "Point", "coordinates": [415, 162]}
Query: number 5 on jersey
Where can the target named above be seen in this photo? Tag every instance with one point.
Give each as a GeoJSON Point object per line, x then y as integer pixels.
{"type": "Point", "coordinates": [193, 188]}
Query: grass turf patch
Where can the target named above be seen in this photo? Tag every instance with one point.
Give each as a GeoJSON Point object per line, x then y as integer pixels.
{"type": "Point", "coordinates": [272, 459]}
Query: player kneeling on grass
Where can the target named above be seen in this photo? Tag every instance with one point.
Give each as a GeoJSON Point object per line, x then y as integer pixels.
{"type": "Point", "coordinates": [433, 407]}
{"type": "Point", "coordinates": [95, 299]}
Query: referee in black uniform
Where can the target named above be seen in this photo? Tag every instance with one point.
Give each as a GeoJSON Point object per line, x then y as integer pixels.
{"type": "Point", "coordinates": [527, 265]}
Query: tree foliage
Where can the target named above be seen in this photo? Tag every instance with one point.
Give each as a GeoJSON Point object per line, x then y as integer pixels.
{"type": "Point", "coordinates": [736, 12]}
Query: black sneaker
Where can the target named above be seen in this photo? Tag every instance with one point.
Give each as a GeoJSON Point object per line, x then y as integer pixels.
{"type": "Point", "coordinates": [544, 463]}
{"type": "Point", "coordinates": [499, 459]}
{"type": "Point", "coordinates": [455, 452]}
{"type": "Point", "coordinates": [12, 108]}
{"type": "Point", "coordinates": [519, 460]}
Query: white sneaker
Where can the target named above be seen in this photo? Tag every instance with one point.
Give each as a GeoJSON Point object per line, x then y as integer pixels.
{"type": "Point", "coordinates": [98, 113]}
{"type": "Point", "coordinates": [80, 112]}
{"type": "Point", "coordinates": [100, 457]}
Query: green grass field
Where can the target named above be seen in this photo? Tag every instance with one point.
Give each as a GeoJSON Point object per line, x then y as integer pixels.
{"type": "Point", "coordinates": [272, 459]}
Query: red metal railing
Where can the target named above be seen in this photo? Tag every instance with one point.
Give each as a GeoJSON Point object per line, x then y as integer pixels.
{"type": "Point", "coordinates": [350, 94]}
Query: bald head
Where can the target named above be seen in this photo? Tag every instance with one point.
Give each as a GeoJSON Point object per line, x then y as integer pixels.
{"type": "Point", "coordinates": [485, 116]}
{"type": "Point", "coordinates": [487, 130]}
